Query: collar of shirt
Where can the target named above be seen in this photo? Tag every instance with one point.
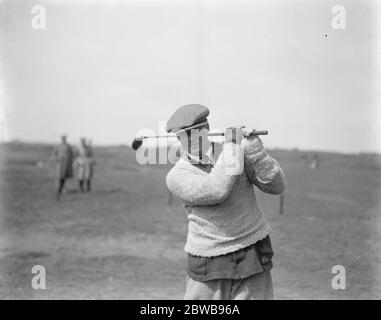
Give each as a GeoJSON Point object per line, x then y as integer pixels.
{"type": "Point", "coordinates": [206, 159]}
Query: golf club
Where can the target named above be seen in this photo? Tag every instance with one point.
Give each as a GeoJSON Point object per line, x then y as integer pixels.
{"type": "Point", "coordinates": [138, 141]}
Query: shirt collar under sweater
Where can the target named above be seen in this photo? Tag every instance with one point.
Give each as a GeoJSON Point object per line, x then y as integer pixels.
{"type": "Point", "coordinates": [208, 157]}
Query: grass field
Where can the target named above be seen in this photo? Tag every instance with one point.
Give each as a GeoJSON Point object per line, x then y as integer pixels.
{"type": "Point", "coordinates": [123, 241]}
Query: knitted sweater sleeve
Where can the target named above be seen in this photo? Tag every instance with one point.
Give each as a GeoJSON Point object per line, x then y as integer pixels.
{"type": "Point", "coordinates": [261, 169]}
{"type": "Point", "coordinates": [195, 188]}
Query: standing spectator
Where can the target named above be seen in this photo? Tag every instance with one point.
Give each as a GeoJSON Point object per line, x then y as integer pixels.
{"type": "Point", "coordinates": [305, 158]}
{"type": "Point", "coordinates": [84, 164]}
{"type": "Point", "coordinates": [315, 162]}
{"type": "Point", "coordinates": [63, 155]}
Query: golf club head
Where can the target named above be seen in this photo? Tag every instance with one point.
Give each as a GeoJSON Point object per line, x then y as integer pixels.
{"type": "Point", "coordinates": [136, 144]}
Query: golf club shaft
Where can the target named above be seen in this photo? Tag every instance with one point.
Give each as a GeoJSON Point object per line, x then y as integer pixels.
{"type": "Point", "coordinates": [211, 134]}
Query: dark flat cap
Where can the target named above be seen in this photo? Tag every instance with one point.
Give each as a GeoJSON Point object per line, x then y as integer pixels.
{"type": "Point", "coordinates": [187, 116]}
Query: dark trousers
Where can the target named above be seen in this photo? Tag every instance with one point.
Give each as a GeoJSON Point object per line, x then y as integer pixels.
{"type": "Point", "coordinates": [81, 185]}
{"type": "Point", "coordinates": [61, 185]}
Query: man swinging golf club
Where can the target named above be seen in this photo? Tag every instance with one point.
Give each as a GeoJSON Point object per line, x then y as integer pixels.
{"type": "Point", "coordinates": [228, 244]}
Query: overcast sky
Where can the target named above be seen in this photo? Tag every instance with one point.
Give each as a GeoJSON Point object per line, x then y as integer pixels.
{"type": "Point", "coordinates": [105, 69]}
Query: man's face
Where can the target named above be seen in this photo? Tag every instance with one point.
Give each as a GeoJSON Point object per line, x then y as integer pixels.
{"type": "Point", "coordinates": [195, 141]}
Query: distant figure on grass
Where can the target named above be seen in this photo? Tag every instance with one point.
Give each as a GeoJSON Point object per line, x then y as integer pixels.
{"type": "Point", "coordinates": [63, 155]}
{"type": "Point", "coordinates": [84, 164]}
{"type": "Point", "coordinates": [305, 158]}
{"type": "Point", "coordinates": [315, 162]}
{"type": "Point", "coordinates": [228, 244]}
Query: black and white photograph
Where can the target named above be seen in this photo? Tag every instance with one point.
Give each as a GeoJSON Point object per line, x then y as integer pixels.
{"type": "Point", "coordinates": [157, 150]}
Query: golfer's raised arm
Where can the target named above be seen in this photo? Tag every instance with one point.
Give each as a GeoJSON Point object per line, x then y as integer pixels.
{"type": "Point", "coordinates": [261, 169]}
{"type": "Point", "coordinates": [194, 188]}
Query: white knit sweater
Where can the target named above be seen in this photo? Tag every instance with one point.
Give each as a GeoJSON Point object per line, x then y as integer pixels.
{"type": "Point", "coordinates": [222, 209]}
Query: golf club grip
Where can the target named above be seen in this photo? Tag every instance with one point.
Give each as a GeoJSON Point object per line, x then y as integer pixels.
{"type": "Point", "coordinates": [254, 133]}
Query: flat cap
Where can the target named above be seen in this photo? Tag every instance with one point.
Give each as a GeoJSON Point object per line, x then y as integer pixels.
{"type": "Point", "coordinates": [187, 116]}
